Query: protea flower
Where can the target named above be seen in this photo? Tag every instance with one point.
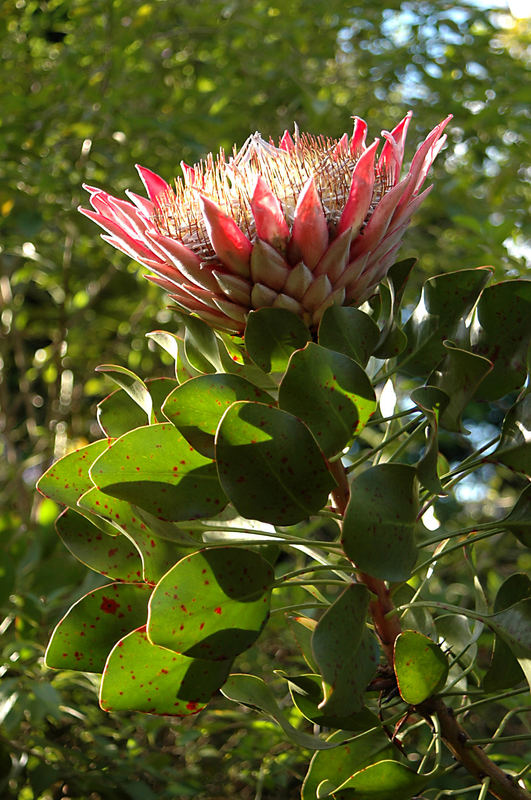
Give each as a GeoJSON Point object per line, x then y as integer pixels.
{"type": "Point", "coordinates": [311, 222]}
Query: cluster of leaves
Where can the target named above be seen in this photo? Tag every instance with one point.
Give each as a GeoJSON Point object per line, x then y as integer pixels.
{"type": "Point", "coordinates": [202, 482]}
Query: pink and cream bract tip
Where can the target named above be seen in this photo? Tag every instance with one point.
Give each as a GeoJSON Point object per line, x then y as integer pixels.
{"type": "Point", "coordinates": [302, 225]}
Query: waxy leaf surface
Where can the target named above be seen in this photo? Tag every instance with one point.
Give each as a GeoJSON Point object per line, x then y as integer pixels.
{"type": "Point", "coordinates": [156, 469]}
{"type": "Point", "coordinates": [196, 407]}
{"type": "Point", "coordinates": [445, 301]}
{"type": "Point", "coordinates": [349, 331]}
{"type": "Point", "coordinates": [270, 465]}
{"type": "Point", "coordinates": [132, 385]}
{"type": "Point", "coordinates": [307, 694]}
{"type": "Point", "coordinates": [346, 655]}
{"type": "Point", "coordinates": [67, 479]}
{"type": "Point", "coordinates": [514, 449]}
{"type": "Point", "coordinates": [382, 781]}
{"type": "Point", "coordinates": [379, 521]}
{"type": "Point", "coordinates": [249, 690]}
{"type": "Point", "coordinates": [421, 667]}
{"type": "Point", "coordinates": [213, 604]}
{"type": "Point", "coordinates": [501, 331]}
{"type": "Point", "coordinates": [140, 676]}
{"type": "Point", "coordinates": [271, 336]}
{"type": "Point", "coordinates": [118, 413]}
{"type": "Point", "coordinates": [90, 629]}
{"type": "Point", "coordinates": [505, 670]}
{"type": "Point", "coordinates": [330, 393]}
{"type": "Point", "coordinates": [115, 557]}
{"type": "Point", "coordinates": [432, 402]}
{"type": "Point", "coordinates": [157, 554]}
{"type": "Point", "coordinates": [459, 376]}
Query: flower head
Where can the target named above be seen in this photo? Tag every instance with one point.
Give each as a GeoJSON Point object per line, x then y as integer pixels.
{"type": "Point", "coordinates": [302, 225]}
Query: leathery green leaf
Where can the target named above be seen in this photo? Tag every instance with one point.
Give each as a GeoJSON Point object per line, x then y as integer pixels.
{"type": "Point", "coordinates": [307, 694]}
{"type": "Point", "coordinates": [115, 557]}
{"type": "Point", "coordinates": [349, 331]}
{"type": "Point", "coordinates": [132, 384]}
{"type": "Point", "coordinates": [330, 393]}
{"type": "Point", "coordinates": [459, 376]}
{"type": "Point", "coordinates": [157, 554]}
{"type": "Point", "coordinates": [140, 676]}
{"type": "Point", "coordinates": [118, 413]}
{"type": "Point", "coordinates": [213, 604]}
{"type": "Point", "coordinates": [270, 465]}
{"type": "Point", "coordinates": [379, 521]}
{"type": "Point", "coordinates": [271, 336]}
{"type": "Point", "coordinates": [346, 656]}
{"type": "Point", "coordinates": [505, 670]}
{"type": "Point", "coordinates": [500, 331]}
{"type": "Point", "coordinates": [446, 299]}
{"type": "Point", "coordinates": [381, 781]}
{"type": "Point", "coordinates": [67, 479]}
{"type": "Point", "coordinates": [196, 407]}
{"type": "Point", "coordinates": [90, 629]}
{"type": "Point", "coordinates": [421, 667]}
{"type": "Point", "coordinates": [339, 764]}
{"type": "Point", "coordinates": [250, 690]}
{"type": "Point", "coordinates": [514, 449]}
{"type": "Point", "coordinates": [432, 402]}
{"type": "Point", "coordinates": [157, 469]}
{"type": "Point", "coordinates": [518, 521]}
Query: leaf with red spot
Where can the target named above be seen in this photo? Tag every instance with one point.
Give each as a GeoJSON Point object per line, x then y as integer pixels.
{"type": "Point", "coordinates": [213, 604]}
{"type": "Point", "coordinates": [350, 331]}
{"type": "Point", "coordinates": [141, 676]}
{"type": "Point", "coordinates": [115, 557]}
{"type": "Point", "coordinates": [155, 468]}
{"type": "Point", "coordinates": [83, 638]}
{"type": "Point", "coordinates": [380, 519]}
{"type": "Point", "coordinates": [346, 652]}
{"type": "Point", "coordinates": [67, 479]}
{"type": "Point", "coordinates": [118, 413]}
{"type": "Point", "coordinates": [196, 407]}
{"type": "Point", "coordinates": [270, 465]}
{"type": "Point", "coordinates": [157, 554]}
{"type": "Point", "coordinates": [271, 336]}
{"type": "Point", "coordinates": [330, 393]}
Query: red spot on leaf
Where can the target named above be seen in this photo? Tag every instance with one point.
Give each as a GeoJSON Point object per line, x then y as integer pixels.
{"type": "Point", "coordinates": [108, 605]}
{"type": "Point", "coordinates": [217, 610]}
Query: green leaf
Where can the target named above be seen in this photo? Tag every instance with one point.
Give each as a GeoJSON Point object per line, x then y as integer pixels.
{"type": "Point", "coordinates": [518, 521]}
{"type": "Point", "coordinates": [201, 345]}
{"type": "Point", "coordinates": [196, 407]}
{"type": "Point", "coordinates": [399, 274]}
{"type": "Point", "coordinates": [213, 604]}
{"type": "Point", "coordinates": [302, 629]}
{"type": "Point", "coordinates": [514, 449]}
{"type": "Point", "coordinates": [116, 557]}
{"type": "Point", "coordinates": [118, 413]}
{"type": "Point", "coordinates": [339, 764]}
{"type": "Point", "coordinates": [459, 376]}
{"type": "Point", "coordinates": [501, 331]}
{"type": "Point", "coordinates": [505, 671]}
{"type": "Point", "coordinates": [349, 331]}
{"type": "Point", "coordinates": [346, 656]}
{"type": "Point", "coordinates": [330, 393]}
{"type": "Point", "coordinates": [157, 554]}
{"type": "Point", "coordinates": [379, 521]}
{"type": "Point", "coordinates": [249, 690]}
{"type": "Point", "coordinates": [132, 384]}
{"type": "Point", "coordinates": [421, 667]}
{"type": "Point", "coordinates": [269, 464]}
{"type": "Point", "coordinates": [67, 479]}
{"type": "Point", "coordinates": [432, 402]}
{"type": "Point", "coordinates": [83, 638]}
{"type": "Point", "coordinates": [307, 695]}
{"type": "Point", "coordinates": [445, 301]}
{"type": "Point", "coordinates": [381, 781]}
{"type": "Point", "coordinates": [271, 336]}
{"type": "Point", "coordinates": [140, 676]}
{"type": "Point", "coordinates": [155, 468]}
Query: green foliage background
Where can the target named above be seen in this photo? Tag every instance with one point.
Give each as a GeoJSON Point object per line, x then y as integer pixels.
{"type": "Point", "coordinates": [88, 88]}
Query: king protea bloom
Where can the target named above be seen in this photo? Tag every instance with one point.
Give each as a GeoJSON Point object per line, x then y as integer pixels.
{"type": "Point", "coordinates": [312, 222]}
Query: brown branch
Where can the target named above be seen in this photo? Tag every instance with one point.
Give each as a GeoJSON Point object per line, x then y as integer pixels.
{"type": "Point", "coordinates": [472, 757]}
{"type": "Point", "coordinates": [387, 626]}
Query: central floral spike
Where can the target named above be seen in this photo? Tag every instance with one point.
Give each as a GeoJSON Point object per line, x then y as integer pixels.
{"type": "Point", "coordinates": [302, 225]}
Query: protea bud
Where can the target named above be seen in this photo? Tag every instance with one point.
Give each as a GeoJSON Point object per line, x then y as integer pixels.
{"type": "Point", "coordinates": [312, 222]}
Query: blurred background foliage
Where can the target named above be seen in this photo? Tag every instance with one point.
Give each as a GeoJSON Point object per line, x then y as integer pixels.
{"type": "Point", "coordinates": [88, 88]}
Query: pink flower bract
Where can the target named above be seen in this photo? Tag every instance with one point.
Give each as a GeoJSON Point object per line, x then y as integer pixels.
{"type": "Point", "coordinates": [302, 225]}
